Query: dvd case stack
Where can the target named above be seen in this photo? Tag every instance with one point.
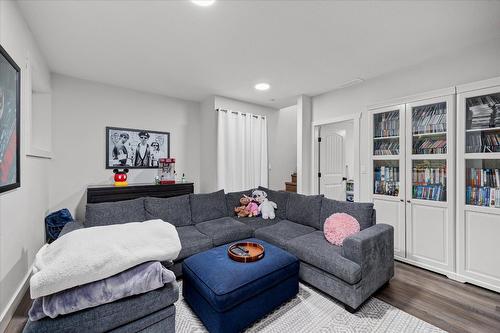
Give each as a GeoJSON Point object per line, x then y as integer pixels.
{"type": "Point", "coordinates": [387, 147]}
{"type": "Point", "coordinates": [483, 187]}
{"type": "Point", "coordinates": [483, 111]}
{"type": "Point", "coordinates": [386, 124]}
{"type": "Point", "coordinates": [429, 118]}
{"type": "Point", "coordinates": [386, 180]}
{"type": "Point", "coordinates": [483, 142]}
{"type": "Point", "coordinates": [429, 183]}
{"type": "Point", "coordinates": [435, 145]}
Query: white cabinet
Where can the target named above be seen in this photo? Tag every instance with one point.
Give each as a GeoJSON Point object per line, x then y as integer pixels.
{"type": "Point", "coordinates": [413, 186]}
{"type": "Point", "coordinates": [478, 183]}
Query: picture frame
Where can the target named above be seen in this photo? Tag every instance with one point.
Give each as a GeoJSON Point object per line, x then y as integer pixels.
{"type": "Point", "coordinates": [135, 148]}
{"type": "Point", "coordinates": [10, 122]}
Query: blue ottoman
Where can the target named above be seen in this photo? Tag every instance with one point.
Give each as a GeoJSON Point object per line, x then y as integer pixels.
{"type": "Point", "coordinates": [228, 296]}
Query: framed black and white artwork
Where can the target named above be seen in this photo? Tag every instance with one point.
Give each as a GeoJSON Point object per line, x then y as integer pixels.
{"type": "Point", "coordinates": [135, 148]}
{"type": "Point", "coordinates": [10, 113]}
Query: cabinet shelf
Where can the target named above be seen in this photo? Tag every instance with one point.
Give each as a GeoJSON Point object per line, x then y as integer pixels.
{"type": "Point", "coordinates": [482, 209]}
{"type": "Point", "coordinates": [486, 129]}
{"type": "Point", "coordinates": [386, 137]}
{"type": "Point", "coordinates": [429, 156]}
{"type": "Point", "coordinates": [429, 134]}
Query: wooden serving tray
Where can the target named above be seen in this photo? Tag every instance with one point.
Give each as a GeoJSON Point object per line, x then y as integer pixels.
{"type": "Point", "coordinates": [255, 252]}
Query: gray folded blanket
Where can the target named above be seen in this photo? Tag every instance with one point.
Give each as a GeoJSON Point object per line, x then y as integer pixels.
{"type": "Point", "coordinates": [136, 280]}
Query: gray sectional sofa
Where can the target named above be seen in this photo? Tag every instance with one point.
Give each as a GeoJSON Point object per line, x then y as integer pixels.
{"type": "Point", "coordinates": [351, 273]}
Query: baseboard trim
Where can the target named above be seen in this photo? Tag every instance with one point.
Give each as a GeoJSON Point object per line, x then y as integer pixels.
{"type": "Point", "coordinates": [13, 303]}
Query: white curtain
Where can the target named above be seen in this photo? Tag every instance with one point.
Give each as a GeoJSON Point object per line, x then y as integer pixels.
{"type": "Point", "coordinates": [241, 151]}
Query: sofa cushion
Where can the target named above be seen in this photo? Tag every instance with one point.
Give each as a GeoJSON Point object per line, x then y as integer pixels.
{"type": "Point", "coordinates": [304, 209]}
{"type": "Point", "coordinates": [257, 222]}
{"type": "Point", "coordinates": [280, 198]}
{"type": "Point", "coordinates": [224, 230]}
{"type": "Point", "coordinates": [112, 315]}
{"type": "Point", "coordinates": [107, 213]}
{"type": "Point", "coordinates": [174, 210]}
{"type": "Point", "coordinates": [233, 200]}
{"type": "Point", "coordinates": [208, 206]}
{"type": "Point", "coordinates": [315, 250]}
{"type": "Point", "coordinates": [192, 241]}
{"type": "Point", "coordinates": [361, 211]}
{"type": "Point", "coordinates": [225, 283]}
{"type": "Point", "coordinates": [281, 232]}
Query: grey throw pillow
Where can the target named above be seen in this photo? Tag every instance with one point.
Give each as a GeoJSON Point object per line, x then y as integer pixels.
{"type": "Point", "coordinates": [208, 206]}
{"type": "Point", "coordinates": [175, 210]}
{"type": "Point", "coordinates": [304, 209]}
{"type": "Point", "coordinates": [361, 211]}
{"type": "Point", "coordinates": [119, 212]}
{"type": "Point", "coordinates": [280, 198]}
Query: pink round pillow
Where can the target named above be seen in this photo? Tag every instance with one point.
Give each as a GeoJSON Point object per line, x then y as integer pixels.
{"type": "Point", "coordinates": [339, 226]}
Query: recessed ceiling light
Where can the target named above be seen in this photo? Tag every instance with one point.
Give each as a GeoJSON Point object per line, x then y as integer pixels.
{"type": "Point", "coordinates": [262, 86]}
{"type": "Point", "coordinates": [203, 3]}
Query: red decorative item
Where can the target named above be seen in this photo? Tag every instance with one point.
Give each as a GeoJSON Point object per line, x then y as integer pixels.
{"type": "Point", "coordinates": [167, 170]}
{"type": "Point", "coordinates": [120, 177]}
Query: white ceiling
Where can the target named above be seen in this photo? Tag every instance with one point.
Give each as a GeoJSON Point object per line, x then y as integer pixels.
{"type": "Point", "coordinates": [178, 49]}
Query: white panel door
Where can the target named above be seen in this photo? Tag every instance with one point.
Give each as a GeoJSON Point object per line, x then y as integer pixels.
{"type": "Point", "coordinates": [332, 165]}
{"type": "Point", "coordinates": [392, 212]}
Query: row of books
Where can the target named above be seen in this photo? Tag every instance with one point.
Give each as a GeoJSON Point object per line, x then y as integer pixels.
{"type": "Point", "coordinates": [480, 142]}
{"type": "Point", "coordinates": [386, 180]}
{"type": "Point", "coordinates": [484, 111]}
{"type": "Point", "coordinates": [429, 118]}
{"type": "Point", "coordinates": [429, 146]}
{"type": "Point", "coordinates": [477, 177]}
{"type": "Point", "coordinates": [429, 192]}
{"type": "Point", "coordinates": [482, 196]}
{"type": "Point", "coordinates": [390, 147]}
{"type": "Point", "coordinates": [429, 176]}
{"type": "Point", "coordinates": [386, 124]}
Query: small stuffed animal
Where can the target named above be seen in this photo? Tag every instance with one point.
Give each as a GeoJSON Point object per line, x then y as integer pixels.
{"type": "Point", "coordinates": [242, 210]}
{"type": "Point", "coordinates": [253, 208]}
{"type": "Point", "coordinates": [266, 207]}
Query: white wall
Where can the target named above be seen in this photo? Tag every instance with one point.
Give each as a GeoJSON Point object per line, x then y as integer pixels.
{"type": "Point", "coordinates": [477, 63]}
{"type": "Point", "coordinates": [81, 111]}
{"type": "Point", "coordinates": [283, 150]}
{"type": "Point", "coordinates": [22, 210]}
{"type": "Point", "coordinates": [304, 144]}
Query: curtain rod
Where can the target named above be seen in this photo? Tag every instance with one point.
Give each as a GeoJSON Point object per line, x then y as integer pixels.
{"type": "Point", "coordinates": [255, 116]}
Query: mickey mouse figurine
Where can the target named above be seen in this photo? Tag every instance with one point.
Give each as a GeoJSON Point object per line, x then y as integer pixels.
{"type": "Point", "coordinates": [120, 177]}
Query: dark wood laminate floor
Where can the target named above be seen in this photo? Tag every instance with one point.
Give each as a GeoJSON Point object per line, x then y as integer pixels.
{"type": "Point", "coordinates": [450, 305]}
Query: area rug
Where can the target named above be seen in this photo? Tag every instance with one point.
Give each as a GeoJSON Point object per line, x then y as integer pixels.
{"type": "Point", "coordinates": [314, 311]}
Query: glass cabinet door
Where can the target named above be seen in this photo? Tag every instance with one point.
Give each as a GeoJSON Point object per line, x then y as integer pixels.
{"type": "Point", "coordinates": [482, 124]}
{"type": "Point", "coordinates": [429, 128]}
{"type": "Point", "coordinates": [386, 133]}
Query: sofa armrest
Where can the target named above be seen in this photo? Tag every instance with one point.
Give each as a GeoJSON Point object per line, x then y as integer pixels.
{"type": "Point", "coordinates": [372, 249]}
{"type": "Point", "coordinates": [70, 226]}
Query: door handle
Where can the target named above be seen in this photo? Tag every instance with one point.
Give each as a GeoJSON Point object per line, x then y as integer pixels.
{"type": "Point", "coordinates": [408, 201]}
{"type": "Point", "coordinates": [401, 200]}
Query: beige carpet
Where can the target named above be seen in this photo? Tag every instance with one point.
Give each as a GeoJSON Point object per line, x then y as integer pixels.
{"type": "Point", "coordinates": [313, 311]}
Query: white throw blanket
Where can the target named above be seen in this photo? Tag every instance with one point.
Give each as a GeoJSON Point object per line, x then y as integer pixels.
{"type": "Point", "coordinates": [91, 254]}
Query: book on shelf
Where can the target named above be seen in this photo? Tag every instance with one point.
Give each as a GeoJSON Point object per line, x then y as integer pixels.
{"type": "Point", "coordinates": [388, 147]}
{"type": "Point", "coordinates": [429, 118]}
{"type": "Point", "coordinates": [386, 180]}
{"type": "Point", "coordinates": [482, 196]}
{"type": "Point", "coordinates": [483, 142]}
{"type": "Point", "coordinates": [483, 111]}
{"type": "Point", "coordinates": [386, 124]}
{"type": "Point", "coordinates": [429, 183]}
{"type": "Point", "coordinates": [429, 146]}
{"type": "Point", "coordinates": [483, 187]}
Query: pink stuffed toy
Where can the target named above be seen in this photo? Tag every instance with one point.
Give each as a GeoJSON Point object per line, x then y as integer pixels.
{"type": "Point", "coordinates": [339, 226]}
{"type": "Point", "coordinates": [253, 208]}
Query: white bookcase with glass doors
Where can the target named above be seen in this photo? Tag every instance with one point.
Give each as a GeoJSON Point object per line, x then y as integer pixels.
{"type": "Point", "coordinates": [412, 177]}
{"type": "Point", "coordinates": [478, 183]}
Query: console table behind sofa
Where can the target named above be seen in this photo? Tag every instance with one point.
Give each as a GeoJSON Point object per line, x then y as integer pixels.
{"type": "Point", "coordinates": [108, 193]}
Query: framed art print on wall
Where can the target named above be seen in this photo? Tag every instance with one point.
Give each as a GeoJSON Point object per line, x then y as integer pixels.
{"type": "Point", "coordinates": [135, 148]}
{"type": "Point", "coordinates": [10, 113]}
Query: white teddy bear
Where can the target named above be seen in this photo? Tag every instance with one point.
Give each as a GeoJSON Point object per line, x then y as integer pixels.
{"type": "Point", "coordinates": [266, 207]}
